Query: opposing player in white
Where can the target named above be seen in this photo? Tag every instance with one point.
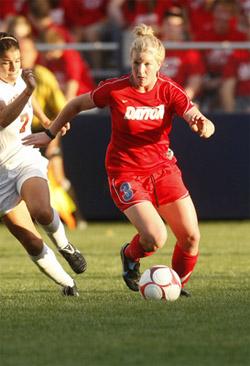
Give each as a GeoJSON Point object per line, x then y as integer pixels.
{"type": "Point", "coordinates": [24, 192]}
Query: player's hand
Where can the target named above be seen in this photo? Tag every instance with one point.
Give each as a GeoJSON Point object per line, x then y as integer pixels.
{"type": "Point", "coordinates": [201, 125]}
{"type": "Point", "coordinates": [65, 128]}
{"type": "Point", "coordinates": [39, 139]}
{"type": "Point", "coordinates": [29, 79]}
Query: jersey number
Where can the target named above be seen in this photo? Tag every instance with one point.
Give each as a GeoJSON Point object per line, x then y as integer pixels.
{"type": "Point", "coordinates": [24, 119]}
{"type": "Point", "coordinates": [127, 191]}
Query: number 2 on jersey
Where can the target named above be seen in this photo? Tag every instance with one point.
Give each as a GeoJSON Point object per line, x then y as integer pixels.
{"type": "Point", "coordinates": [24, 119]}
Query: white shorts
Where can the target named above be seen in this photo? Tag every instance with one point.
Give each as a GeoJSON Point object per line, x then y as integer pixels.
{"type": "Point", "coordinates": [11, 179]}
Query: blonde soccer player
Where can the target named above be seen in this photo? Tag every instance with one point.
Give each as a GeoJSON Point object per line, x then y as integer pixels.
{"type": "Point", "coordinates": [145, 182]}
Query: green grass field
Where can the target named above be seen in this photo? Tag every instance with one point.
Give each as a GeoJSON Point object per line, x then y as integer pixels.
{"type": "Point", "coordinates": [111, 325]}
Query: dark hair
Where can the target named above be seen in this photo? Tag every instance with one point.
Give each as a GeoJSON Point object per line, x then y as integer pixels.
{"type": "Point", "coordinates": [174, 11]}
{"type": "Point", "coordinates": [39, 9]}
{"type": "Point", "coordinates": [149, 4]}
{"type": "Point", "coordinates": [7, 41]}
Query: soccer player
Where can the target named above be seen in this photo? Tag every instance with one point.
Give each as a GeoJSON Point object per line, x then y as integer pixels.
{"type": "Point", "coordinates": [24, 192]}
{"type": "Point", "coordinates": [51, 99]}
{"type": "Point", "coordinates": [145, 182]}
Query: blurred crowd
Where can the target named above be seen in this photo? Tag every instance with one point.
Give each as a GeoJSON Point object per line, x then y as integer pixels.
{"type": "Point", "coordinates": [217, 79]}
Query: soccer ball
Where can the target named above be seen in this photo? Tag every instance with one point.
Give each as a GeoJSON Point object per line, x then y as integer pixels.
{"type": "Point", "coordinates": [160, 283]}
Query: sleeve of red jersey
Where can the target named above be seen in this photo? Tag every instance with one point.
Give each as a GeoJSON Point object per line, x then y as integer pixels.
{"type": "Point", "coordinates": [195, 63]}
{"type": "Point", "coordinates": [101, 95]}
{"type": "Point", "coordinates": [73, 67]}
{"type": "Point", "coordinates": [179, 100]}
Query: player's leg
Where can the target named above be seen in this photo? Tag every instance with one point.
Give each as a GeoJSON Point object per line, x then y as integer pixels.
{"type": "Point", "coordinates": [182, 219]}
{"type": "Point", "coordinates": [35, 193]}
{"type": "Point", "coordinates": [20, 224]}
{"type": "Point", "coordinates": [134, 196]}
{"type": "Point", "coordinates": [151, 235]}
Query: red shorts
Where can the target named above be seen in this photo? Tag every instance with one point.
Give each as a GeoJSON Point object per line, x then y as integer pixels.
{"type": "Point", "coordinates": [161, 187]}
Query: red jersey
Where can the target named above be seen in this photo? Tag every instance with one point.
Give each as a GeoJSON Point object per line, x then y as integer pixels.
{"type": "Point", "coordinates": [84, 12]}
{"type": "Point", "coordinates": [238, 66]}
{"type": "Point", "coordinates": [180, 65]}
{"type": "Point", "coordinates": [7, 8]}
{"type": "Point", "coordinates": [143, 11]}
{"type": "Point", "coordinates": [216, 59]}
{"type": "Point", "coordinates": [199, 17]}
{"type": "Point", "coordinates": [71, 66]}
{"type": "Point", "coordinates": [141, 122]}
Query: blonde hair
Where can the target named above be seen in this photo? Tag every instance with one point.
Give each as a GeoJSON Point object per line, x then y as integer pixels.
{"type": "Point", "coordinates": [145, 41]}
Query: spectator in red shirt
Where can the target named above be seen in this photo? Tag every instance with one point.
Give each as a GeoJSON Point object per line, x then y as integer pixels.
{"type": "Point", "coordinates": [145, 181]}
{"type": "Point", "coordinates": [183, 66]}
{"type": "Point", "coordinates": [223, 28]}
{"type": "Point", "coordinates": [38, 13]}
{"type": "Point", "coordinates": [129, 13]}
{"type": "Point", "coordinates": [88, 22]}
{"type": "Point", "coordinates": [235, 88]}
{"type": "Point", "coordinates": [69, 67]}
{"type": "Point", "coordinates": [86, 18]}
{"type": "Point", "coordinates": [199, 15]}
{"type": "Point", "coordinates": [223, 25]}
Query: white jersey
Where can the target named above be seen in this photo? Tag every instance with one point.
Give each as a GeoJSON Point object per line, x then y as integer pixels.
{"type": "Point", "coordinates": [12, 151]}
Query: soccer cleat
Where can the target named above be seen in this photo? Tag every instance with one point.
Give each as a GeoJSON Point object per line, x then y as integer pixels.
{"type": "Point", "coordinates": [70, 291]}
{"type": "Point", "coordinates": [185, 293]}
{"type": "Point", "coordinates": [75, 259]}
{"type": "Point", "coordinates": [131, 273]}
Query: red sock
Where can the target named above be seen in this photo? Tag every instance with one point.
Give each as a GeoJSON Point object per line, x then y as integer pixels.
{"type": "Point", "coordinates": [183, 263]}
{"type": "Point", "coordinates": [135, 251]}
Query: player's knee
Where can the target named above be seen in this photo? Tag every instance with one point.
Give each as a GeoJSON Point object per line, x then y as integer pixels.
{"type": "Point", "coordinates": [43, 215]}
{"type": "Point", "coordinates": [191, 242]}
{"type": "Point", "coordinates": [154, 240]}
{"type": "Point", "coordinates": [195, 239]}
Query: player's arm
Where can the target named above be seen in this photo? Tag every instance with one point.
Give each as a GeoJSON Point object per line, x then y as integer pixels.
{"type": "Point", "coordinates": [199, 123]}
{"type": "Point", "coordinates": [38, 112]}
{"type": "Point", "coordinates": [72, 108]}
{"type": "Point", "coordinates": [44, 120]}
{"type": "Point", "coordinates": [8, 113]}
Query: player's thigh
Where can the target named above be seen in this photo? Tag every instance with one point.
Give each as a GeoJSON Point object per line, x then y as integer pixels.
{"type": "Point", "coordinates": [182, 218]}
{"type": "Point", "coordinates": [31, 182]}
{"type": "Point", "coordinates": [147, 221]}
{"type": "Point", "coordinates": [20, 224]}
